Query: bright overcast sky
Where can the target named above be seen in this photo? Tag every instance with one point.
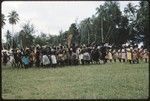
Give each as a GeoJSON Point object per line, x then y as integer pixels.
{"type": "Point", "coordinates": [51, 16]}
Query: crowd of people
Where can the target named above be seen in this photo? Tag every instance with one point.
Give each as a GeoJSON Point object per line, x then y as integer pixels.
{"type": "Point", "coordinates": [76, 55]}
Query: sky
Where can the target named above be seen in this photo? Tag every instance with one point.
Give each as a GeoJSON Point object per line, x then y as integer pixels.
{"type": "Point", "coordinates": [50, 16]}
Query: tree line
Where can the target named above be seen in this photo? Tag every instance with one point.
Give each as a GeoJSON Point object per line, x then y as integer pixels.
{"type": "Point", "coordinates": [108, 25]}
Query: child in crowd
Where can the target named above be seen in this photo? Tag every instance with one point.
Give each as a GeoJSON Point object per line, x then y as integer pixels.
{"type": "Point", "coordinates": [26, 60]}
{"type": "Point", "coordinates": [53, 59]}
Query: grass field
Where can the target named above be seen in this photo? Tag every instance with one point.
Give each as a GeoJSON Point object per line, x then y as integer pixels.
{"type": "Point", "coordinates": [109, 81]}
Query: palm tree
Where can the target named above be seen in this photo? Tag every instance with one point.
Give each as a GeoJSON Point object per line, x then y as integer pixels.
{"type": "Point", "coordinates": [3, 20]}
{"type": "Point", "coordinates": [13, 19]}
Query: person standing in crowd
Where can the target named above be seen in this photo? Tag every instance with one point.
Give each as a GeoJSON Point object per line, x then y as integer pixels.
{"type": "Point", "coordinates": [68, 57]}
{"type": "Point", "coordinates": [53, 59]}
{"type": "Point", "coordinates": [146, 55]}
{"type": "Point", "coordinates": [95, 55]}
{"type": "Point", "coordinates": [45, 60]}
{"type": "Point", "coordinates": [134, 59]}
{"type": "Point", "coordinates": [135, 55]}
{"type": "Point", "coordinates": [74, 58]}
{"type": "Point", "coordinates": [49, 55]}
{"type": "Point", "coordinates": [86, 57]}
{"type": "Point", "coordinates": [103, 53]}
{"type": "Point", "coordinates": [64, 57]}
{"type": "Point", "coordinates": [25, 60]}
{"type": "Point", "coordinates": [37, 58]}
{"type": "Point", "coordinates": [129, 54]}
{"type": "Point", "coordinates": [115, 55]}
{"type": "Point", "coordinates": [5, 58]}
{"type": "Point", "coordinates": [141, 53]}
{"type": "Point", "coordinates": [15, 57]}
{"type": "Point", "coordinates": [81, 56]}
{"type": "Point", "coordinates": [12, 60]}
{"type": "Point", "coordinates": [110, 54]}
{"type": "Point", "coordinates": [31, 57]}
{"type": "Point", "coordinates": [123, 54]}
{"type": "Point", "coordinates": [138, 54]}
{"type": "Point", "coordinates": [41, 57]}
{"type": "Point", "coordinates": [119, 55]}
{"type": "Point", "coordinates": [19, 58]}
{"type": "Point", "coordinates": [60, 56]}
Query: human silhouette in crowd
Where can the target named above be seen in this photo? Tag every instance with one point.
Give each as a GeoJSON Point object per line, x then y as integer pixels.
{"type": "Point", "coordinates": [103, 53]}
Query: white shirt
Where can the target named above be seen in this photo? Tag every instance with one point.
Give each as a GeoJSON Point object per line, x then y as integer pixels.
{"type": "Point", "coordinates": [45, 60]}
{"type": "Point", "coordinates": [53, 59]}
{"type": "Point", "coordinates": [80, 56]}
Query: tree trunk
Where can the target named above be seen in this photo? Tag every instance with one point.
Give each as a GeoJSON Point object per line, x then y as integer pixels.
{"type": "Point", "coordinates": [95, 35]}
{"type": "Point", "coordinates": [102, 30]}
{"type": "Point", "coordinates": [12, 36]}
{"type": "Point", "coordinates": [88, 37]}
{"type": "Point", "coordinates": [107, 35]}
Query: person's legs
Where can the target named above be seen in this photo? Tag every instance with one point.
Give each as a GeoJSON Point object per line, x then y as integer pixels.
{"type": "Point", "coordinates": [137, 60]}
{"type": "Point", "coordinates": [133, 61]}
{"type": "Point", "coordinates": [26, 66]}
{"type": "Point", "coordinates": [52, 65]}
{"type": "Point", "coordinates": [70, 63]}
{"type": "Point", "coordinates": [77, 62]}
{"type": "Point", "coordinates": [119, 59]}
{"type": "Point", "coordinates": [130, 61]}
{"type": "Point", "coordinates": [103, 61]}
{"type": "Point", "coordinates": [63, 62]}
{"type": "Point", "coordinates": [146, 60]}
{"type": "Point", "coordinates": [4, 62]}
{"type": "Point", "coordinates": [88, 61]}
{"type": "Point", "coordinates": [82, 61]}
{"type": "Point", "coordinates": [30, 64]}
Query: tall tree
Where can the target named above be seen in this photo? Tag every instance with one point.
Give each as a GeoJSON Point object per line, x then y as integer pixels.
{"type": "Point", "coordinates": [13, 18]}
{"type": "Point", "coordinates": [8, 39]}
{"type": "Point", "coordinates": [108, 18]}
{"type": "Point", "coordinates": [27, 33]}
{"type": "Point", "coordinates": [86, 31]}
{"type": "Point", "coordinates": [142, 20]}
{"type": "Point", "coordinates": [131, 13]}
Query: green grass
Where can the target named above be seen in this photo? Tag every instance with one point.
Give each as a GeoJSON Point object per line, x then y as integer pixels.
{"type": "Point", "coordinates": [109, 81]}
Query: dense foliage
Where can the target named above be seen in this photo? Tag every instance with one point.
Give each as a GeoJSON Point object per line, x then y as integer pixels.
{"type": "Point", "coordinates": [108, 25]}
